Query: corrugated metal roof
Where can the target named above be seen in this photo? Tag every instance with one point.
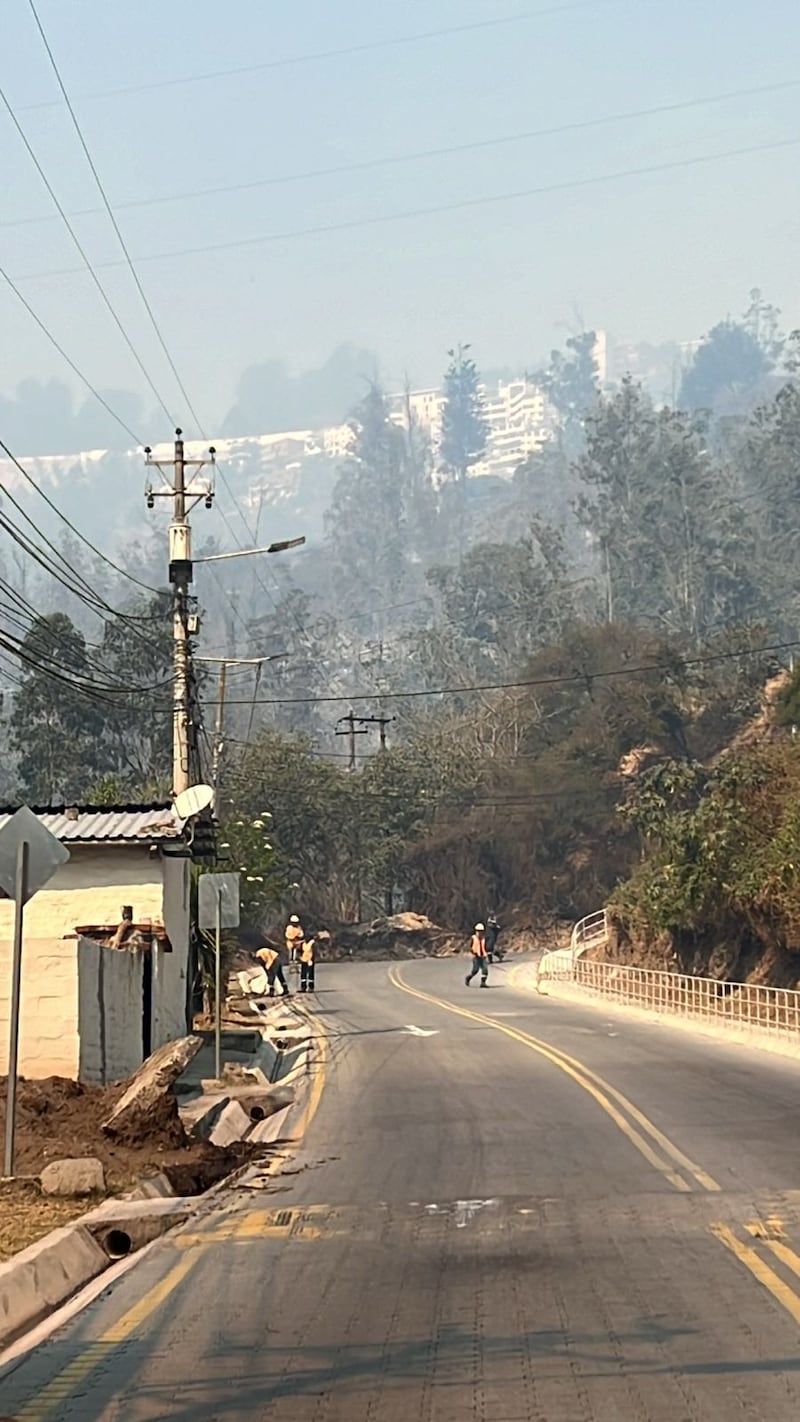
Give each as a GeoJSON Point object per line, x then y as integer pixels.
{"type": "Point", "coordinates": [107, 823]}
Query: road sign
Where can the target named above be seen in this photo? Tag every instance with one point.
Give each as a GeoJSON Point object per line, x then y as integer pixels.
{"type": "Point", "coordinates": [214, 890]}
{"type": "Point", "coordinates": [29, 857]}
{"type": "Point", "coordinates": [46, 854]}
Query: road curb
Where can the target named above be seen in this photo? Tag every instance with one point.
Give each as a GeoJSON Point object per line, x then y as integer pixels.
{"type": "Point", "coordinates": [46, 1275]}
{"type": "Point", "coordinates": [58, 1268]}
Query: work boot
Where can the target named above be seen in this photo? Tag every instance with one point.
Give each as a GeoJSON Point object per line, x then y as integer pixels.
{"type": "Point", "coordinates": [484, 982]}
{"type": "Point", "coordinates": [467, 981]}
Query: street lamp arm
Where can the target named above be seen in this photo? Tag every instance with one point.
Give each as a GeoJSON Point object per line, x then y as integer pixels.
{"type": "Point", "coordinates": [281, 547]}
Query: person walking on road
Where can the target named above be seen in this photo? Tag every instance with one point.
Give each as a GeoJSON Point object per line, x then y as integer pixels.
{"type": "Point", "coordinates": [492, 935]}
{"type": "Point", "coordinates": [293, 936]}
{"type": "Point", "coordinates": [480, 956]}
{"type": "Point", "coordinates": [308, 958]}
{"type": "Point", "coordinates": [271, 959]}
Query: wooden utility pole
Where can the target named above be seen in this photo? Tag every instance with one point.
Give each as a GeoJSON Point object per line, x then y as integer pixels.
{"type": "Point", "coordinates": [351, 722]}
{"type": "Point", "coordinates": [180, 576]}
{"type": "Point", "coordinates": [380, 721]}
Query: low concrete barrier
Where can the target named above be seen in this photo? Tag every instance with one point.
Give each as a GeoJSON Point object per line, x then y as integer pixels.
{"type": "Point", "coordinates": [49, 1273]}
{"type": "Point", "coordinates": [45, 1275]}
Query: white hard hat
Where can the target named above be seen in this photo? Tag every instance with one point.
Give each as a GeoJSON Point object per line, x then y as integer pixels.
{"type": "Point", "coordinates": [294, 918]}
{"type": "Point", "coordinates": [479, 928]}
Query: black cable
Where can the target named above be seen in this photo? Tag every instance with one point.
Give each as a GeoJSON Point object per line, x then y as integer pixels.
{"type": "Point", "coordinates": [438, 209]}
{"type": "Point", "coordinates": [71, 526]}
{"type": "Point", "coordinates": [345, 52]}
{"type": "Point", "coordinates": [114, 223]}
{"type": "Point", "coordinates": [76, 370]}
{"type": "Point", "coordinates": [580, 678]}
{"type": "Point", "coordinates": [447, 151]}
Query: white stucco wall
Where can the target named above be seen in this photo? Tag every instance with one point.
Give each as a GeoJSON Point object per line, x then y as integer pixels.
{"type": "Point", "coordinates": [90, 889]}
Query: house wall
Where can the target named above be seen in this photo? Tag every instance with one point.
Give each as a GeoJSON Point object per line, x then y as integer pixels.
{"type": "Point", "coordinates": [90, 889]}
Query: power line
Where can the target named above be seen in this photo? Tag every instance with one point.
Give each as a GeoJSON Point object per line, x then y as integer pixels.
{"type": "Point", "coordinates": [76, 370]}
{"type": "Point", "coordinates": [417, 155]}
{"type": "Point", "coordinates": [84, 255]}
{"type": "Point", "coordinates": [109, 210]}
{"type": "Point", "coordinates": [346, 51]}
{"type": "Point", "coordinates": [585, 679]}
{"type": "Point", "coordinates": [71, 526]}
{"type": "Point", "coordinates": [439, 209]}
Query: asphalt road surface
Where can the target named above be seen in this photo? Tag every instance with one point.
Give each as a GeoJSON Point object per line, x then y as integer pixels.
{"type": "Point", "coordinates": [506, 1209]}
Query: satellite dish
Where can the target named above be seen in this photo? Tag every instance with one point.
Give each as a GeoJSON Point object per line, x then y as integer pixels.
{"type": "Point", "coordinates": [193, 801]}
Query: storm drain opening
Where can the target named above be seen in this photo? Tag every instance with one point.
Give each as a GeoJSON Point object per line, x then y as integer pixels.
{"type": "Point", "coordinates": [117, 1244]}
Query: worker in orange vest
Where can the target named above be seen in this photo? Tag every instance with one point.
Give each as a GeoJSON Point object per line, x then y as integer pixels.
{"type": "Point", "coordinates": [480, 956]}
{"type": "Point", "coordinates": [293, 936]}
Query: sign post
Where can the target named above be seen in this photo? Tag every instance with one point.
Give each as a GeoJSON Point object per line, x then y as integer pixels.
{"type": "Point", "coordinates": [29, 857]}
{"type": "Point", "coordinates": [218, 908]}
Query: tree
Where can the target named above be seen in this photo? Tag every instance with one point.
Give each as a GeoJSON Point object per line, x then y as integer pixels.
{"type": "Point", "coordinates": [570, 383]}
{"type": "Point", "coordinates": [135, 659]}
{"type": "Point", "coordinates": [367, 523]}
{"type": "Point", "coordinates": [498, 607]}
{"type": "Point", "coordinates": [729, 366]}
{"type": "Point", "coordinates": [674, 548]}
{"type": "Point", "coordinates": [57, 723]}
{"type": "Point", "coordinates": [465, 428]}
{"type": "Point", "coordinates": [768, 459]}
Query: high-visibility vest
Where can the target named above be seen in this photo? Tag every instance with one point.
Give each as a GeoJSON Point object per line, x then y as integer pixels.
{"type": "Point", "coordinates": [478, 945]}
{"type": "Point", "coordinates": [308, 951]}
{"type": "Point", "coordinates": [268, 956]}
{"type": "Point", "coordinates": [293, 934]}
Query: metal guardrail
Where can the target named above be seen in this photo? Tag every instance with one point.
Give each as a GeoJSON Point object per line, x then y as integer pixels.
{"type": "Point", "coordinates": [749, 1005]}
{"type": "Point", "coordinates": [590, 932]}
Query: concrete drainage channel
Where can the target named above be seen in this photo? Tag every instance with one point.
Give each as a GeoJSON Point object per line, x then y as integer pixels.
{"type": "Point", "coordinates": [266, 1074]}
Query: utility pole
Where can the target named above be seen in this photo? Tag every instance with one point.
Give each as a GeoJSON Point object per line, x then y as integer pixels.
{"type": "Point", "coordinates": [184, 623]}
{"type": "Point", "coordinates": [217, 758]}
{"type": "Point", "coordinates": [351, 722]}
{"type": "Point", "coordinates": [223, 663]}
{"type": "Point", "coordinates": [381, 722]}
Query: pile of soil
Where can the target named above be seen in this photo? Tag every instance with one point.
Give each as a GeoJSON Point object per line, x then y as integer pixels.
{"type": "Point", "coordinates": [412, 935]}
{"type": "Point", "coordinates": [58, 1118]}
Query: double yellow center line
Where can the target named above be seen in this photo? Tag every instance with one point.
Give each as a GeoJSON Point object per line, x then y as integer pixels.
{"type": "Point", "coordinates": [652, 1144]}
{"type": "Point", "coordinates": [768, 1244]}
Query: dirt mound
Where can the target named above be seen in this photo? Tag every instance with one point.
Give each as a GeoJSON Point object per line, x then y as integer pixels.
{"type": "Point", "coordinates": [57, 1118]}
{"type": "Point", "coordinates": [403, 935]}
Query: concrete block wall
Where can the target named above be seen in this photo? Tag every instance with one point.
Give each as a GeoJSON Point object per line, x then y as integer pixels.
{"type": "Point", "coordinates": [171, 992]}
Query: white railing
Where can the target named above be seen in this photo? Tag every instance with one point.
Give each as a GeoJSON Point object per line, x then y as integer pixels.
{"type": "Point", "coordinates": [744, 1005]}
{"type": "Point", "coordinates": [590, 932]}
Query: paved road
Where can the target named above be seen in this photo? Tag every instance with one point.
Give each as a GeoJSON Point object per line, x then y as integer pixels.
{"type": "Point", "coordinates": [535, 1214]}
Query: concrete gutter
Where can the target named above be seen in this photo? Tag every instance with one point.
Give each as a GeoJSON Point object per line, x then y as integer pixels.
{"type": "Point", "coordinates": [66, 1264]}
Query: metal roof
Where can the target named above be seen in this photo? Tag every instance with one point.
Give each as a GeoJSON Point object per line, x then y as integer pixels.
{"type": "Point", "coordinates": [108, 824]}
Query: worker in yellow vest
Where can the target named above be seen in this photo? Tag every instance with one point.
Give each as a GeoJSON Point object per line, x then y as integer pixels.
{"type": "Point", "coordinates": [308, 958]}
{"type": "Point", "coordinates": [293, 937]}
{"type": "Point", "coordinates": [271, 960]}
{"type": "Point", "coordinates": [480, 956]}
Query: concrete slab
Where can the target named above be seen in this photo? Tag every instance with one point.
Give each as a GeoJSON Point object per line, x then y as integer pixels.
{"type": "Point", "coordinates": [44, 1276]}
{"type": "Point", "coordinates": [232, 1125]}
{"type": "Point", "coordinates": [140, 1220]}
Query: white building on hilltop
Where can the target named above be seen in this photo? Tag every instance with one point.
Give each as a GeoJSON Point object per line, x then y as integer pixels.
{"type": "Point", "coordinates": [517, 413]}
